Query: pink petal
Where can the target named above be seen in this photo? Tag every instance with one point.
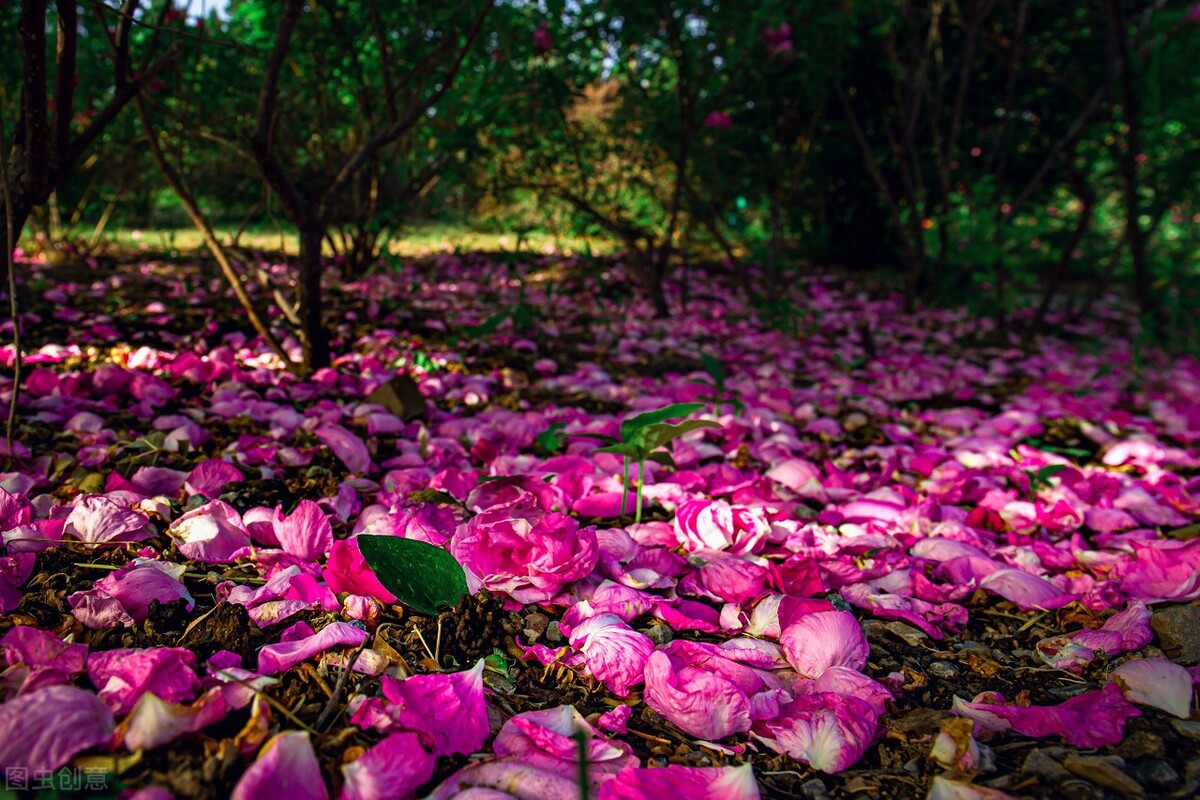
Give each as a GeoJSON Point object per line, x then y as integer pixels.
{"type": "Point", "coordinates": [694, 783]}
{"type": "Point", "coordinates": [14, 571]}
{"type": "Point", "coordinates": [347, 571]}
{"type": "Point", "coordinates": [424, 701]}
{"type": "Point", "coordinates": [503, 779]}
{"type": "Point", "coordinates": [123, 676]}
{"type": "Point", "coordinates": [275, 658]}
{"type": "Point", "coordinates": [827, 731]}
{"type": "Point", "coordinates": [825, 639]}
{"type": "Point", "coordinates": [211, 533]}
{"type": "Point", "coordinates": [210, 477]}
{"type": "Point", "coordinates": [1027, 591]}
{"type": "Point", "coordinates": [37, 658]}
{"type": "Point", "coordinates": [44, 729]}
{"type": "Point", "coordinates": [948, 788]}
{"type": "Point", "coordinates": [98, 519]}
{"type": "Point", "coordinates": [346, 446]}
{"type": "Point", "coordinates": [545, 740]}
{"type": "Point", "coordinates": [700, 703]}
{"type": "Point", "coordinates": [286, 767]}
{"type": "Point", "coordinates": [615, 653]}
{"type": "Point", "coordinates": [1092, 719]}
{"type": "Point", "coordinates": [391, 770]}
{"type": "Point", "coordinates": [307, 533]}
{"type": "Point", "coordinates": [1156, 682]}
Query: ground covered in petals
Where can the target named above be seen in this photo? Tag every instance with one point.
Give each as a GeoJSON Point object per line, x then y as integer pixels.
{"type": "Point", "coordinates": [907, 557]}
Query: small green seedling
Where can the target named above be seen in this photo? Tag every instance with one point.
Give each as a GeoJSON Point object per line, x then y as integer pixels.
{"type": "Point", "coordinates": [720, 396]}
{"type": "Point", "coordinates": [552, 439]}
{"type": "Point", "coordinates": [422, 576]}
{"type": "Point", "coordinates": [642, 440]}
{"type": "Point", "coordinates": [1041, 479]}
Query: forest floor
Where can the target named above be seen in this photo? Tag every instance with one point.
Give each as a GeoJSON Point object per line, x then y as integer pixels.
{"type": "Point", "coordinates": [996, 519]}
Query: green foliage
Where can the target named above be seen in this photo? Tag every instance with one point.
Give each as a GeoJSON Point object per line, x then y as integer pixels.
{"type": "Point", "coordinates": [422, 576]}
{"type": "Point", "coordinates": [719, 396]}
{"type": "Point", "coordinates": [642, 438]}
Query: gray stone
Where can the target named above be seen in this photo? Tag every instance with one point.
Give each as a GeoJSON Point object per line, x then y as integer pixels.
{"type": "Point", "coordinates": [1183, 727]}
{"type": "Point", "coordinates": [813, 789]}
{"type": "Point", "coordinates": [942, 669]}
{"type": "Point", "coordinates": [1154, 773]}
{"type": "Point", "coordinates": [1178, 629]}
{"type": "Point", "coordinates": [1045, 764]}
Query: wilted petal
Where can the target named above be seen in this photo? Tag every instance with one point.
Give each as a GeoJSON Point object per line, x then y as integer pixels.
{"type": "Point", "coordinates": [285, 655]}
{"type": "Point", "coordinates": [693, 783]}
{"type": "Point", "coordinates": [44, 729]}
{"type": "Point", "coordinates": [615, 653]}
{"type": "Point", "coordinates": [391, 770]}
{"type": "Point", "coordinates": [38, 658]}
{"type": "Point", "coordinates": [827, 731]}
{"type": "Point", "coordinates": [945, 788]}
{"type": "Point", "coordinates": [1092, 719]}
{"type": "Point", "coordinates": [506, 780]}
{"type": "Point", "coordinates": [423, 702]}
{"type": "Point", "coordinates": [210, 477]}
{"type": "Point", "coordinates": [306, 533]}
{"type": "Point", "coordinates": [701, 703]}
{"type": "Point", "coordinates": [98, 519]}
{"type": "Point", "coordinates": [1027, 591]}
{"type": "Point", "coordinates": [545, 740]}
{"type": "Point", "coordinates": [123, 676]}
{"type": "Point", "coordinates": [212, 532]}
{"type": "Point", "coordinates": [825, 639]}
{"type": "Point", "coordinates": [346, 446]}
{"type": "Point", "coordinates": [1156, 682]}
{"type": "Point", "coordinates": [286, 767]}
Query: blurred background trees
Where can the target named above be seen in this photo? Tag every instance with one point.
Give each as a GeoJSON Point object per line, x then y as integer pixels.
{"type": "Point", "coordinates": [1010, 154]}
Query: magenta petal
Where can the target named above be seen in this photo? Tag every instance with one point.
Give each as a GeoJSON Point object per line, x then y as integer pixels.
{"type": "Point", "coordinates": [347, 571]}
{"type": "Point", "coordinates": [825, 639]}
{"type": "Point", "coordinates": [210, 477]}
{"type": "Point", "coordinates": [285, 655]}
{"type": "Point", "coordinates": [307, 533]}
{"type": "Point", "coordinates": [286, 767]}
{"type": "Point", "coordinates": [825, 730]}
{"type": "Point", "coordinates": [346, 446]}
{"type": "Point", "coordinates": [98, 519]}
{"type": "Point", "coordinates": [1027, 591]}
{"type": "Point", "coordinates": [701, 703]}
{"type": "Point", "coordinates": [421, 702]}
{"type": "Point", "coordinates": [123, 676]}
{"type": "Point", "coordinates": [46, 728]}
{"type": "Point", "coordinates": [391, 770]}
{"type": "Point", "coordinates": [504, 779]}
{"type": "Point", "coordinates": [694, 783]}
{"type": "Point", "coordinates": [37, 658]}
{"type": "Point", "coordinates": [1092, 719]}
{"type": "Point", "coordinates": [14, 571]}
{"type": "Point", "coordinates": [545, 740]}
{"type": "Point", "coordinates": [615, 653]}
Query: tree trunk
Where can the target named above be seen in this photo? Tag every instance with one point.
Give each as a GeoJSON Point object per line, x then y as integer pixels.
{"type": "Point", "coordinates": [315, 338]}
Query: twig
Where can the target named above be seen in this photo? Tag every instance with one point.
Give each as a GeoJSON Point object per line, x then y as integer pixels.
{"type": "Point", "coordinates": [271, 701]}
{"type": "Point", "coordinates": [425, 644]}
{"type": "Point", "coordinates": [340, 685]}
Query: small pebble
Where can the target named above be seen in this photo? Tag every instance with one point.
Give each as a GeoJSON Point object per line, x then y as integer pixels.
{"type": "Point", "coordinates": [1183, 727]}
{"type": "Point", "coordinates": [553, 634]}
{"type": "Point", "coordinates": [813, 789]}
{"type": "Point", "coordinates": [943, 669]}
{"type": "Point", "coordinates": [1154, 773]}
{"type": "Point", "coordinates": [1044, 763]}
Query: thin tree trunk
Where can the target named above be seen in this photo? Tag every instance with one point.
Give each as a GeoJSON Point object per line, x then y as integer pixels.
{"type": "Point", "coordinates": [308, 295]}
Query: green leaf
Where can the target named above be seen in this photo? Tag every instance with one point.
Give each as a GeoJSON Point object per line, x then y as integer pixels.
{"type": "Point", "coordinates": [422, 576]}
{"type": "Point", "coordinates": [1046, 473]}
{"type": "Point", "coordinates": [626, 449]}
{"type": "Point", "coordinates": [655, 436]}
{"type": "Point", "coordinates": [635, 424]}
{"type": "Point", "coordinates": [713, 367]}
{"type": "Point", "coordinates": [662, 457]}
